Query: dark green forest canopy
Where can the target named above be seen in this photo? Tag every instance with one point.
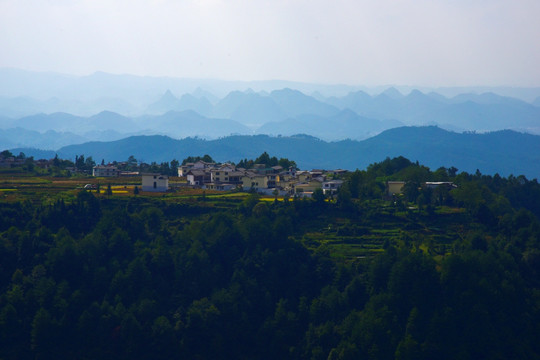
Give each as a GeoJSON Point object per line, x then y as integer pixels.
{"type": "Point", "coordinates": [434, 273]}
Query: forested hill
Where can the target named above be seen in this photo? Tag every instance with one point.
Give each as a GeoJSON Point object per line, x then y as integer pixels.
{"type": "Point", "coordinates": [504, 152]}
{"type": "Point", "coordinates": [445, 273]}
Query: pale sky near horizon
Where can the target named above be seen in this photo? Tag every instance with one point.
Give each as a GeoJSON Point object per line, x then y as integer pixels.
{"type": "Point", "coordinates": [356, 42]}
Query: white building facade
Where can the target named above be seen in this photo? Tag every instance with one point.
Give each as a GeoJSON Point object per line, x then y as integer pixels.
{"type": "Point", "coordinates": [105, 171]}
{"type": "Point", "coordinates": [155, 182]}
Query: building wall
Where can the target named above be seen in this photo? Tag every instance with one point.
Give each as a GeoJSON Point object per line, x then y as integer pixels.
{"type": "Point", "coordinates": [395, 187]}
{"type": "Point", "coordinates": [331, 187]}
{"type": "Point", "coordinates": [303, 177]}
{"type": "Point", "coordinates": [220, 187]}
{"type": "Point", "coordinates": [104, 171]}
{"type": "Point", "coordinates": [308, 187]}
{"type": "Point", "coordinates": [199, 178]}
{"type": "Point", "coordinates": [256, 182]}
{"type": "Point", "coordinates": [155, 183]}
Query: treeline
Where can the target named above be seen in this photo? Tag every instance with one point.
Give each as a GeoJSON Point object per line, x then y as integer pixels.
{"type": "Point", "coordinates": [193, 159]}
{"type": "Point", "coordinates": [139, 278]}
{"type": "Point", "coordinates": [132, 164]}
{"type": "Point", "coordinates": [268, 161]}
{"type": "Point", "coordinates": [264, 159]}
{"type": "Point", "coordinates": [84, 165]}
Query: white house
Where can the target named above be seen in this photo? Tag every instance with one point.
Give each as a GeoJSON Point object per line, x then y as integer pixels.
{"type": "Point", "coordinates": [105, 171]}
{"type": "Point", "coordinates": [331, 187]}
{"type": "Point", "coordinates": [155, 182]}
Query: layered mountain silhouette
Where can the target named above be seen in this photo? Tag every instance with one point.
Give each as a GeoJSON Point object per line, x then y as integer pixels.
{"type": "Point", "coordinates": [188, 123]}
{"type": "Point", "coordinates": [346, 124]}
{"type": "Point", "coordinates": [63, 122]}
{"type": "Point", "coordinates": [249, 108]}
{"type": "Point", "coordinates": [50, 111]}
{"type": "Point", "coordinates": [177, 124]}
{"type": "Point", "coordinates": [17, 137]}
{"type": "Point", "coordinates": [169, 102]}
{"type": "Point", "coordinates": [282, 111]}
{"type": "Point", "coordinates": [295, 103]}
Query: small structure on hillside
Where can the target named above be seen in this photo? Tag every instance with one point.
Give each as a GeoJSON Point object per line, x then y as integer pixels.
{"type": "Point", "coordinates": [105, 171]}
{"type": "Point", "coordinates": [436, 184]}
{"type": "Point", "coordinates": [331, 187]}
{"type": "Point", "coordinates": [394, 187]}
{"type": "Point", "coordinates": [155, 182]}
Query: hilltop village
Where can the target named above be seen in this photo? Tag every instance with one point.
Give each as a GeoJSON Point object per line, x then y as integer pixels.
{"type": "Point", "coordinates": [265, 175]}
{"type": "Point", "coordinates": [225, 177]}
{"type": "Point", "coordinates": [202, 173]}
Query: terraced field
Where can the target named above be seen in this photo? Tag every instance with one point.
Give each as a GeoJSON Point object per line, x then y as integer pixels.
{"type": "Point", "coordinates": [355, 238]}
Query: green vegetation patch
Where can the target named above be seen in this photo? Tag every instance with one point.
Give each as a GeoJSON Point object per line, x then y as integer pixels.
{"type": "Point", "coordinates": [208, 275]}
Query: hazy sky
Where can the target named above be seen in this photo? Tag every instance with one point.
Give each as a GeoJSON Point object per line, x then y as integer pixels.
{"type": "Point", "coordinates": [357, 42]}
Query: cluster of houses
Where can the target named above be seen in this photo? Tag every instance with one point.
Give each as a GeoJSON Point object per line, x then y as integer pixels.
{"type": "Point", "coordinates": [261, 179]}
{"type": "Point", "coordinates": [226, 177]}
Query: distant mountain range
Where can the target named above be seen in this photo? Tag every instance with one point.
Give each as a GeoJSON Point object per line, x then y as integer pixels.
{"type": "Point", "coordinates": [168, 102]}
{"type": "Point", "coordinates": [470, 112]}
{"type": "Point", "coordinates": [344, 126]}
{"type": "Point", "coordinates": [25, 93]}
{"type": "Point", "coordinates": [50, 130]}
{"type": "Point", "coordinates": [285, 112]}
{"type": "Point", "coordinates": [504, 152]}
